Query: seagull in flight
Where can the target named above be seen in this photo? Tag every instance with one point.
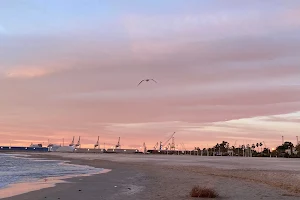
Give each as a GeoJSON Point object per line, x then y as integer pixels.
{"type": "Point", "coordinates": [147, 80]}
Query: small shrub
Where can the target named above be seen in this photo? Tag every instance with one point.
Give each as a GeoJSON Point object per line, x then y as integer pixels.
{"type": "Point", "coordinates": [203, 192]}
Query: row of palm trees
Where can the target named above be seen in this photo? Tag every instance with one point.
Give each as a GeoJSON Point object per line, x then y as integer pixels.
{"type": "Point", "coordinates": [247, 146]}
{"type": "Point", "coordinates": [224, 147]}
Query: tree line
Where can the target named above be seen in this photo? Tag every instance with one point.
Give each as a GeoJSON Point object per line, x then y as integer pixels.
{"type": "Point", "coordinates": [287, 149]}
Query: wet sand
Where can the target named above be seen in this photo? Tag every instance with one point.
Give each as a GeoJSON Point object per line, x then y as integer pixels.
{"type": "Point", "coordinates": [172, 177]}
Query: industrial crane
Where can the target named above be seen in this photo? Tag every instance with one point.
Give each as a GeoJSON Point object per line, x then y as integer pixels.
{"type": "Point", "coordinates": [160, 145]}
{"type": "Point", "coordinates": [72, 143]}
{"type": "Point", "coordinates": [78, 143]}
{"type": "Point", "coordinates": [172, 146]}
{"type": "Point", "coordinates": [166, 142]}
{"type": "Point", "coordinates": [97, 143]}
{"type": "Point", "coordinates": [118, 145]}
{"type": "Point", "coordinates": [156, 145]}
{"type": "Point", "coordinates": [168, 147]}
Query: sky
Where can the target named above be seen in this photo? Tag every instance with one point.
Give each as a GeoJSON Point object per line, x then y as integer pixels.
{"type": "Point", "coordinates": [226, 70]}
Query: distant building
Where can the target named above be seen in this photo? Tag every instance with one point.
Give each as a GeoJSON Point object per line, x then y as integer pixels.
{"type": "Point", "coordinates": [122, 151]}
{"type": "Point", "coordinates": [36, 145]}
{"type": "Point", "coordinates": [230, 152]}
{"type": "Point", "coordinates": [86, 150]}
{"type": "Point", "coordinates": [65, 149]}
{"type": "Point", "coordinates": [53, 147]}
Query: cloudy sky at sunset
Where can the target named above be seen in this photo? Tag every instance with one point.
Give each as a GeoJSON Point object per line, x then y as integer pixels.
{"type": "Point", "coordinates": [226, 70]}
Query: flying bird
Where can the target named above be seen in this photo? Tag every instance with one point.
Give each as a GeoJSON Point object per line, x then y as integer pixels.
{"type": "Point", "coordinates": [147, 80]}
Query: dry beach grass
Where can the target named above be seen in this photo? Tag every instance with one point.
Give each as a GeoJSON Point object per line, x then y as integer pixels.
{"type": "Point", "coordinates": [203, 192]}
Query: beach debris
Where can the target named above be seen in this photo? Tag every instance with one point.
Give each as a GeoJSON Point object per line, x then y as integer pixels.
{"type": "Point", "coordinates": [147, 80]}
{"type": "Point", "coordinates": [116, 186]}
{"type": "Point", "coordinates": [129, 188]}
{"type": "Point", "coordinates": [79, 190]}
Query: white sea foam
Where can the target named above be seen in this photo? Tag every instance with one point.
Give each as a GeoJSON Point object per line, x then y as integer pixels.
{"type": "Point", "coordinates": [18, 169]}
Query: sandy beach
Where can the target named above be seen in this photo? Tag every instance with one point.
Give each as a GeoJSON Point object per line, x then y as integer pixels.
{"type": "Point", "coordinates": [172, 177]}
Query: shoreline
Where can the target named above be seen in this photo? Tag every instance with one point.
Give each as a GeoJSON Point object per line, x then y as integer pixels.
{"type": "Point", "coordinates": [25, 187]}
{"type": "Point", "coordinates": [75, 187]}
{"type": "Point", "coordinates": [32, 185]}
{"type": "Point", "coordinates": [157, 178]}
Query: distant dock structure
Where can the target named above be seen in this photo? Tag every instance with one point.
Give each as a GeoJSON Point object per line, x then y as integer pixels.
{"type": "Point", "coordinates": [31, 148]}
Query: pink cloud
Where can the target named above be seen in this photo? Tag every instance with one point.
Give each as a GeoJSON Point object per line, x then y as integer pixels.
{"type": "Point", "coordinates": [90, 88]}
{"type": "Point", "coordinates": [27, 72]}
{"type": "Point", "coordinates": [282, 119]}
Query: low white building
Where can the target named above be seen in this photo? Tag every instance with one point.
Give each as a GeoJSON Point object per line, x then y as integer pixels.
{"type": "Point", "coordinates": [122, 150]}
{"type": "Point", "coordinates": [288, 151]}
{"type": "Point", "coordinates": [58, 148]}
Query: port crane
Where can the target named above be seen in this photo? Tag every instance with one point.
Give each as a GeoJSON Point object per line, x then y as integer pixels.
{"type": "Point", "coordinates": [166, 142]}
{"type": "Point", "coordinates": [167, 147]}
{"type": "Point", "coordinates": [78, 143]}
{"type": "Point", "coordinates": [172, 146]}
{"type": "Point", "coordinates": [72, 143]}
{"type": "Point", "coordinates": [160, 145]}
{"type": "Point", "coordinates": [118, 145]}
{"type": "Point", "coordinates": [97, 144]}
{"type": "Point", "coordinates": [156, 145]}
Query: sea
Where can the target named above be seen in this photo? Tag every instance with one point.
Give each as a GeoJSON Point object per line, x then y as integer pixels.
{"type": "Point", "coordinates": [21, 168]}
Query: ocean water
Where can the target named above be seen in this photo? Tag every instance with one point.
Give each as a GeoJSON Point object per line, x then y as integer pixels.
{"type": "Point", "coordinates": [20, 168]}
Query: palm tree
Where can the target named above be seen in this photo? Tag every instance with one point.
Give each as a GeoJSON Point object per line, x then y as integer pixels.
{"type": "Point", "coordinates": [298, 149]}
{"type": "Point", "coordinates": [249, 150]}
{"type": "Point", "coordinates": [253, 147]}
{"type": "Point", "coordinates": [291, 148]}
{"type": "Point", "coordinates": [260, 144]}
{"type": "Point", "coordinates": [243, 149]}
{"type": "Point", "coordinates": [216, 147]}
